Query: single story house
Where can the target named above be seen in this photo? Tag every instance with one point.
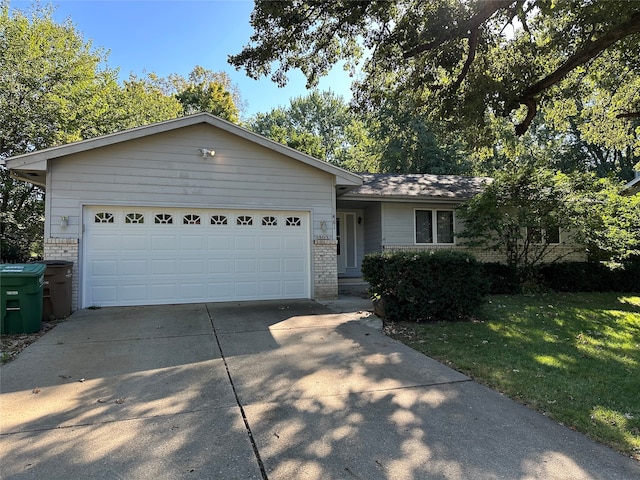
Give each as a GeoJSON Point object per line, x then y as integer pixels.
{"type": "Point", "coordinates": [197, 209]}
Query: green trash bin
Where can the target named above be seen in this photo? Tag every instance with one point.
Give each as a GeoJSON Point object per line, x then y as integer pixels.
{"type": "Point", "coordinates": [21, 287]}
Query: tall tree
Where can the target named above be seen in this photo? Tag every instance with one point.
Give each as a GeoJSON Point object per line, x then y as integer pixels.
{"type": "Point", "coordinates": [458, 59]}
{"type": "Point", "coordinates": [46, 69]}
{"type": "Point", "coordinates": [277, 126]}
{"type": "Point", "coordinates": [535, 215]}
{"type": "Point", "coordinates": [204, 90]}
{"type": "Point", "coordinates": [321, 124]}
{"type": "Point", "coordinates": [203, 76]}
{"type": "Point", "coordinates": [54, 89]}
{"type": "Point", "coordinates": [212, 98]}
{"type": "Point", "coordinates": [412, 143]}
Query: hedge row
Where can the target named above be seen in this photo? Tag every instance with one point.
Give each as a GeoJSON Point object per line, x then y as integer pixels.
{"type": "Point", "coordinates": [501, 278]}
{"type": "Point", "coordinates": [591, 277]}
{"type": "Point", "coordinates": [568, 277]}
{"type": "Point", "coordinates": [426, 286]}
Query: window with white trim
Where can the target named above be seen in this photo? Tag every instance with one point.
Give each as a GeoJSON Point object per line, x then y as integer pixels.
{"type": "Point", "coordinates": [434, 226]}
{"type": "Point", "coordinates": [549, 234]}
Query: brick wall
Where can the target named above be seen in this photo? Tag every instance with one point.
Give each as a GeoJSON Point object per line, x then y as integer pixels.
{"type": "Point", "coordinates": [325, 269]}
{"type": "Point", "coordinates": [65, 249]}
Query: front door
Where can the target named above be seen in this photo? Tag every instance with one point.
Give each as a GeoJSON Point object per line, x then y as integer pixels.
{"type": "Point", "coordinates": [346, 237]}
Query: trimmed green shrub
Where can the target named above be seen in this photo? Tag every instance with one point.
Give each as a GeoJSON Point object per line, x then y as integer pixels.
{"type": "Point", "coordinates": [426, 286]}
{"type": "Point", "coordinates": [591, 276]}
{"type": "Point", "coordinates": [576, 277]}
{"type": "Point", "coordinates": [630, 275]}
{"type": "Point", "coordinates": [502, 279]}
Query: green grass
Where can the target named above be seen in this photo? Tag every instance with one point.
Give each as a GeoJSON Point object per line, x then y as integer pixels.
{"type": "Point", "coordinates": [573, 357]}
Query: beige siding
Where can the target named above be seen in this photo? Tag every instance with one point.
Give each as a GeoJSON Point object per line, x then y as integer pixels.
{"type": "Point", "coordinates": [167, 169]}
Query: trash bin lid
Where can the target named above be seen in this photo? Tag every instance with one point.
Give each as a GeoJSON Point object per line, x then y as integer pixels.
{"type": "Point", "coordinates": [22, 269]}
{"type": "Point", "coordinates": [55, 263]}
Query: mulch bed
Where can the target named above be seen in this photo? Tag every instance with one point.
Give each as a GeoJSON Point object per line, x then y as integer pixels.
{"type": "Point", "coordinates": [12, 344]}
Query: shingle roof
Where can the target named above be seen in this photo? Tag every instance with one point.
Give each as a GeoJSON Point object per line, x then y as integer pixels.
{"type": "Point", "coordinates": [419, 185]}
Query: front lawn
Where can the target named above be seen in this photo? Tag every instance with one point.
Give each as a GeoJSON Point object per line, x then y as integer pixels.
{"type": "Point", "coordinates": [573, 357]}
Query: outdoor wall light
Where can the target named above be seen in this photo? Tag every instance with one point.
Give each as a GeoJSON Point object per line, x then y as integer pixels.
{"type": "Point", "coordinates": [359, 220]}
{"type": "Point", "coordinates": [205, 152]}
{"type": "Point", "coordinates": [64, 221]}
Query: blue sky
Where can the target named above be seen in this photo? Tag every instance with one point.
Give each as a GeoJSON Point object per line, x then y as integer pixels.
{"type": "Point", "coordinates": [168, 36]}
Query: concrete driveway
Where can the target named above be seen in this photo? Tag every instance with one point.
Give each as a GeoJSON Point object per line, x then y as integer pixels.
{"type": "Point", "coordinates": [277, 390]}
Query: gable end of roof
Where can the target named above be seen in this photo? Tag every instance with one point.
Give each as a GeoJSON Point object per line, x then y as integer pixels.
{"type": "Point", "coordinates": [37, 160]}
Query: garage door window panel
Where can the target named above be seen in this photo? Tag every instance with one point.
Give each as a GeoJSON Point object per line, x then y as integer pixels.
{"type": "Point", "coordinates": [191, 219]}
{"type": "Point", "coordinates": [163, 219]}
{"type": "Point", "coordinates": [269, 221]}
{"type": "Point", "coordinates": [218, 220]}
{"type": "Point", "coordinates": [134, 218]}
{"type": "Point", "coordinates": [104, 217]}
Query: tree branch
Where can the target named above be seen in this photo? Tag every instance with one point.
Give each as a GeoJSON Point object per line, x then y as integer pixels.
{"type": "Point", "coordinates": [486, 11]}
{"type": "Point", "coordinates": [628, 115]}
{"type": "Point", "coordinates": [473, 45]}
{"type": "Point", "coordinates": [532, 108]}
{"type": "Point", "coordinates": [590, 50]}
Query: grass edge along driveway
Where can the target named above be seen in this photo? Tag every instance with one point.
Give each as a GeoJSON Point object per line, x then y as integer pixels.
{"type": "Point", "coordinates": [573, 357]}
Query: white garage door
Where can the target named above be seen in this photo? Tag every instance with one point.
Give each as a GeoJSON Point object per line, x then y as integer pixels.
{"type": "Point", "coordinates": [145, 256]}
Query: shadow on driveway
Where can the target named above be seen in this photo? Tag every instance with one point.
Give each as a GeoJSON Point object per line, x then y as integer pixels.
{"type": "Point", "coordinates": [167, 392]}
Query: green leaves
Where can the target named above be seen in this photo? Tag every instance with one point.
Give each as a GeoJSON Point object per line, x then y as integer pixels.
{"type": "Point", "coordinates": [517, 212]}
{"type": "Point", "coordinates": [462, 59]}
{"type": "Point", "coordinates": [205, 91]}
{"type": "Point", "coordinates": [321, 125]}
{"type": "Point", "coordinates": [426, 286]}
{"type": "Point", "coordinates": [56, 89]}
{"type": "Point", "coordinates": [212, 98]}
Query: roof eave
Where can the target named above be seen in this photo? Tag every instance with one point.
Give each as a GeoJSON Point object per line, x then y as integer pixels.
{"type": "Point", "coordinates": [633, 184]}
{"type": "Point", "coordinates": [38, 178]}
{"type": "Point", "coordinates": [403, 198]}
